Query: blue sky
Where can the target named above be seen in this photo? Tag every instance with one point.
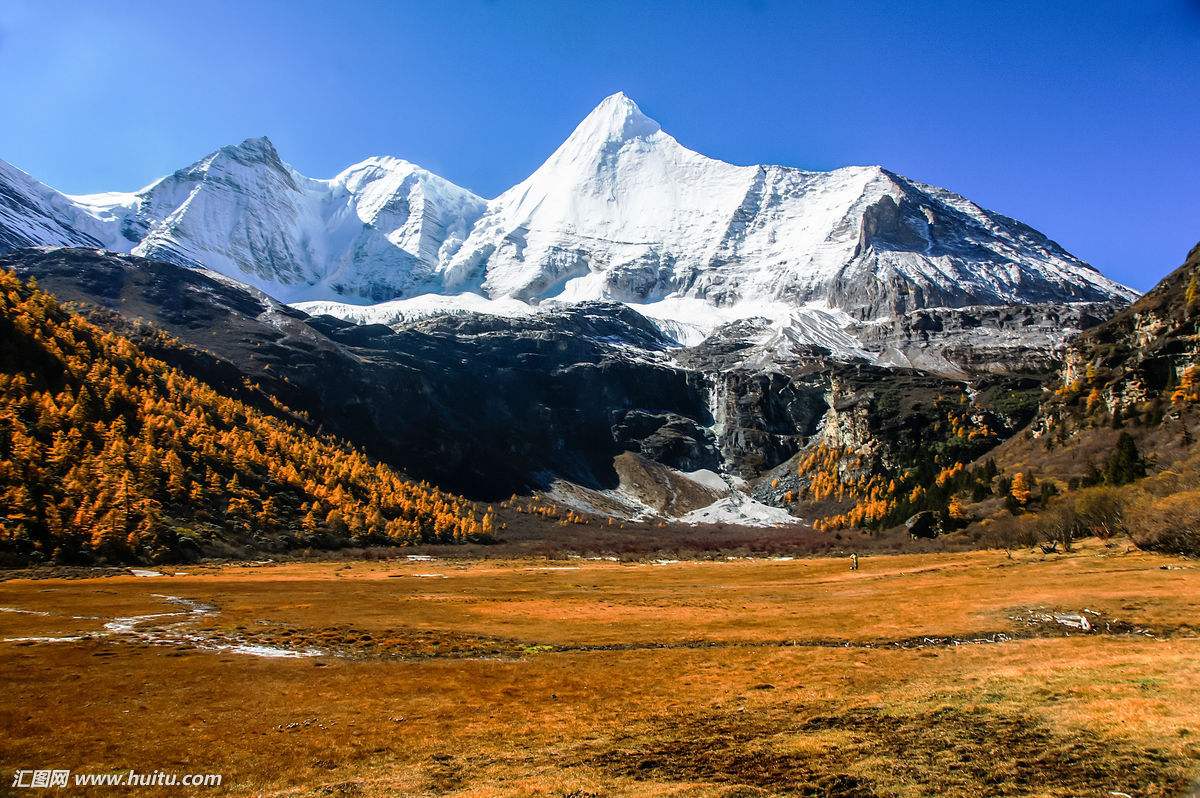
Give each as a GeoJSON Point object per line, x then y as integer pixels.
{"type": "Point", "coordinates": [1080, 118]}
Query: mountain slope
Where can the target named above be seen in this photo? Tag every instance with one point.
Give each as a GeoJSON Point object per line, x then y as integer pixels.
{"type": "Point", "coordinates": [106, 452]}
{"type": "Point", "coordinates": [459, 400]}
{"type": "Point", "coordinates": [1139, 372]}
{"type": "Point", "coordinates": [34, 215]}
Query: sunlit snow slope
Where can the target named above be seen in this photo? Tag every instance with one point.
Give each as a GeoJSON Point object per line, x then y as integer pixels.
{"type": "Point", "coordinates": [623, 211]}
{"type": "Point", "coordinates": [374, 232]}
{"type": "Point", "coordinates": [620, 211]}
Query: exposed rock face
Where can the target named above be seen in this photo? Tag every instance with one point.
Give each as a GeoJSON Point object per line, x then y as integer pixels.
{"type": "Point", "coordinates": [668, 438]}
{"type": "Point", "coordinates": [1136, 374]}
{"type": "Point", "coordinates": [981, 339]}
{"type": "Point", "coordinates": [489, 405]}
{"type": "Point", "coordinates": [1130, 368]}
{"type": "Point", "coordinates": [765, 417]}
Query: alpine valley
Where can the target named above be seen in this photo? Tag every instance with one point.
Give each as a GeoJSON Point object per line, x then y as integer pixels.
{"type": "Point", "coordinates": [634, 331]}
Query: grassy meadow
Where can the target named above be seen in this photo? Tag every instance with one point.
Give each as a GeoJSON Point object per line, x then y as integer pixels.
{"type": "Point", "coordinates": [956, 674]}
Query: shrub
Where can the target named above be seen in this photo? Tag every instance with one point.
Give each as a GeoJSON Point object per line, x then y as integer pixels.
{"type": "Point", "coordinates": [1013, 532]}
{"type": "Point", "coordinates": [1169, 524]}
{"type": "Point", "coordinates": [1100, 511]}
{"type": "Point", "coordinates": [1059, 524]}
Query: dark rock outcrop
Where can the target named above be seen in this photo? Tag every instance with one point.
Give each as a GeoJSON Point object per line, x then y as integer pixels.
{"type": "Point", "coordinates": [924, 524]}
{"type": "Point", "coordinates": [484, 406]}
{"type": "Point", "coordinates": [764, 418]}
{"type": "Point", "coordinates": [487, 405]}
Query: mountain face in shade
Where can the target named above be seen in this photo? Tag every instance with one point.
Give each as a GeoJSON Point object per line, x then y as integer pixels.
{"type": "Point", "coordinates": [491, 405]}
{"type": "Point", "coordinates": [621, 211]}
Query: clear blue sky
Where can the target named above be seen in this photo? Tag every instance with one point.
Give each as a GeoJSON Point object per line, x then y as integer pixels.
{"type": "Point", "coordinates": [1081, 118]}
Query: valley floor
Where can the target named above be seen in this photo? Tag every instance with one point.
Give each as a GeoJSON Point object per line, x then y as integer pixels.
{"type": "Point", "coordinates": [955, 674]}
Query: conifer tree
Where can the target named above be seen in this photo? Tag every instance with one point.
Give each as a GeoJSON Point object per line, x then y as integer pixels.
{"type": "Point", "coordinates": [1125, 464]}
{"type": "Point", "coordinates": [956, 509]}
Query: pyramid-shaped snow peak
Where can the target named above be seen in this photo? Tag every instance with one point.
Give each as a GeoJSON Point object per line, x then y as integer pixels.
{"type": "Point", "coordinates": [606, 206]}
{"type": "Point", "coordinates": [616, 119]}
{"type": "Point", "coordinates": [623, 211]}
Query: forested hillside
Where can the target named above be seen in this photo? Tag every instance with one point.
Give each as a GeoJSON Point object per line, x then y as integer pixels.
{"type": "Point", "coordinates": [1117, 432]}
{"type": "Point", "coordinates": [1136, 376]}
{"type": "Point", "coordinates": [108, 454]}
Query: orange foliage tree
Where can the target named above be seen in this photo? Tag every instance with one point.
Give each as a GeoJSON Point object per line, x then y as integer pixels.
{"type": "Point", "coordinates": [105, 451]}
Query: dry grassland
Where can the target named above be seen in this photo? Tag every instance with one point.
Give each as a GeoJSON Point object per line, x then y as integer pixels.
{"type": "Point", "coordinates": [936, 674]}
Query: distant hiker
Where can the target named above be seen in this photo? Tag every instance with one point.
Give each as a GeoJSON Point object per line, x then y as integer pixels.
{"type": "Point", "coordinates": [853, 562]}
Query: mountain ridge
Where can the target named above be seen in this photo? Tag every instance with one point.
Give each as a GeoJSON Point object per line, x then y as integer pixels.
{"type": "Point", "coordinates": [373, 230]}
{"type": "Point", "coordinates": [620, 211]}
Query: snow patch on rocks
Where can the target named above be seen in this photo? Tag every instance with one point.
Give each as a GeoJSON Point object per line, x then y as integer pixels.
{"type": "Point", "coordinates": [738, 508]}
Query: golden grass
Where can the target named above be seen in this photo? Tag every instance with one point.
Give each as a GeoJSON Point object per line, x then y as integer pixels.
{"type": "Point", "coordinates": [495, 680]}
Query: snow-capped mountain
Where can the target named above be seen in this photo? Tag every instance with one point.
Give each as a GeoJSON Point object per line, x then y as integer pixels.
{"type": "Point", "coordinates": [621, 211]}
{"type": "Point", "coordinates": [375, 231]}
{"type": "Point", "coordinates": [34, 215]}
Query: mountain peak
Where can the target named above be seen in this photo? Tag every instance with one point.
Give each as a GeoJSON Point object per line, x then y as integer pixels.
{"type": "Point", "coordinates": [616, 118]}
{"type": "Point", "coordinates": [259, 143]}
{"type": "Point", "coordinates": [252, 150]}
{"type": "Point", "coordinates": [376, 166]}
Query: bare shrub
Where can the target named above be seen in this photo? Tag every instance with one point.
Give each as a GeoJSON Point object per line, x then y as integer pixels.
{"type": "Point", "coordinates": [1100, 511]}
{"type": "Point", "coordinates": [1059, 524]}
{"type": "Point", "coordinates": [1169, 523]}
{"type": "Point", "coordinates": [1012, 532]}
